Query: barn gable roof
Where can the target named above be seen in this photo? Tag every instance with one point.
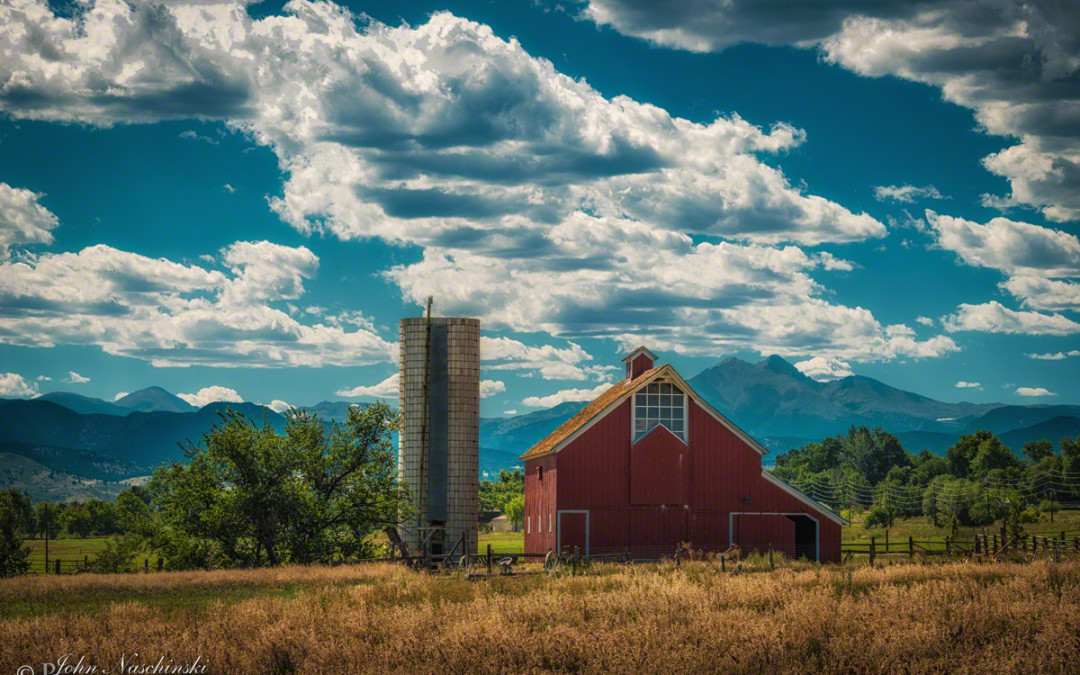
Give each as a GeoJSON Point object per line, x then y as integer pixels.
{"type": "Point", "coordinates": [805, 499]}
{"type": "Point", "coordinates": [610, 399]}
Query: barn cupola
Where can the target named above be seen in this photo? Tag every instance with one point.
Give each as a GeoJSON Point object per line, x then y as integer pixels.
{"type": "Point", "coordinates": [638, 361]}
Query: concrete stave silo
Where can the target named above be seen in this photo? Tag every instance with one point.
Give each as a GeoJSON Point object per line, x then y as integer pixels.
{"type": "Point", "coordinates": [438, 451]}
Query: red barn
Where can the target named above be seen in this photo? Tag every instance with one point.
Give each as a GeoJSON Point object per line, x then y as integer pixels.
{"type": "Point", "coordinates": [649, 464]}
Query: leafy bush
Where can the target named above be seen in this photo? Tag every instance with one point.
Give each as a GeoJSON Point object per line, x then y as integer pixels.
{"type": "Point", "coordinates": [879, 516]}
{"type": "Point", "coordinates": [118, 555]}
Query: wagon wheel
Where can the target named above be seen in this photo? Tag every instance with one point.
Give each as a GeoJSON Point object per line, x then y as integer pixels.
{"type": "Point", "coordinates": [465, 566]}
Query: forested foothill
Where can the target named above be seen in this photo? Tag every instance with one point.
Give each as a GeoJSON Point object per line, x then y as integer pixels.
{"type": "Point", "coordinates": [979, 480]}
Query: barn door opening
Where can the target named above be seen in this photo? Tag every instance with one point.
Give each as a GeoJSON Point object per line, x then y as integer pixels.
{"type": "Point", "coordinates": [806, 536]}
{"type": "Point", "coordinates": [573, 531]}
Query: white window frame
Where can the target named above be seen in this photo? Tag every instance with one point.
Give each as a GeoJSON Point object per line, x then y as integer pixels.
{"type": "Point", "coordinates": [528, 525]}
{"type": "Point", "coordinates": [684, 435]}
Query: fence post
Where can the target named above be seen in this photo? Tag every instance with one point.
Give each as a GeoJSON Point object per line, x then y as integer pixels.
{"type": "Point", "coordinates": [1034, 544]}
{"type": "Point", "coordinates": [995, 544]}
{"type": "Point", "coordinates": [948, 545]}
{"type": "Point", "coordinates": [911, 547]}
{"type": "Point", "coordinates": [489, 559]}
{"type": "Point", "coordinates": [146, 565]}
{"type": "Point", "coordinates": [723, 565]}
{"type": "Point", "coordinates": [57, 561]}
{"type": "Point", "coordinates": [873, 551]}
{"type": "Point", "coordinates": [160, 564]}
{"type": "Point", "coordinates": [86, 561]}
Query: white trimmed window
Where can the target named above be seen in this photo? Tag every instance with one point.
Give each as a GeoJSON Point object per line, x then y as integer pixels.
{"type": "Point", "coordinates": [549, 523]}
{"type": "Point", "coordinates": [660, 403]}
{"type": "Point", "coordinates": [528, 525]}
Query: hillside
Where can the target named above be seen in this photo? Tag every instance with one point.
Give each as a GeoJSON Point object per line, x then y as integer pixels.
{"type": "Point", "coordinates": [83, 404]}
{"type": "Point", "coordinates": [86, 463]}
{"type": "Point", "coordinates": [43, 484]}
{"type": "Point", "coordinates": [142, 438]}
{"type": "Point", "coordinates": [1009, 417]}
{"type": "Point", "coordinates": [515, 435]}
{"type": "Point", "coordinates": [1054, 428]}
{"type": "Point", "coordinates": [153, 399]}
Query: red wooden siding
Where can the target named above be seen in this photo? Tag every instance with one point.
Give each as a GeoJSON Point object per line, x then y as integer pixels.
{"type": "Point", "coordinates": [649, 496]}
{"type": "Point", "coordinates": [638, 366]}
{"type": "Point", "coordinates": [756, 533]}
{"type": "Point", "coordinates": [573, 531]}
{"type": "Point", "coordinates": [658, 469]}
{"type": "Point", "coordinates": [540, 504]}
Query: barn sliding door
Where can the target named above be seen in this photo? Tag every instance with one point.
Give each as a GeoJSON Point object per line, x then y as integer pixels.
{"type": "Point", "coordinates": [573, 531]}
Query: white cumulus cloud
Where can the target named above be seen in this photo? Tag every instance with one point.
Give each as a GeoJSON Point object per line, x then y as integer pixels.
{"type": "Point", "coordinates": [173, 314]}
{"type": "Point", "coordinates": [388, 388]}
{"type": "Point", "coordinates": [1034, 391]}
{"type": "Point", "coordinates": [13, 385]}
{"type": "Point", "coordinates": [75, 378]}
{"type": "Point", "coordinates": [1006, 61]}
{"type": "Point", "coordinates": [491, 387]}
{"type": "Point", "coordinates": [968, 385]}
{"type": "Point", "coordinates": [906, 194]}
{"type": "Point", "coordinates": [1054, 356]}
{"type": "Point", "coordinates": [993, 317]}
{"type": "Point", "coordinates": [540, 204]}
{"type": "Point", "coordinates": [824, 369]}
{"type": "Point", "coordinates": [564, 396]}
{"type": "Point", "coordinates": [212, 394]}
{"type": "Point", "coordinates": [22, 219]}
{"type": "Point", "coordinates": [278, 406]}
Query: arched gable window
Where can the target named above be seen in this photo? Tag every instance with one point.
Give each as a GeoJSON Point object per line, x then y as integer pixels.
{"type": "Point", "coordinates": [660, 403]}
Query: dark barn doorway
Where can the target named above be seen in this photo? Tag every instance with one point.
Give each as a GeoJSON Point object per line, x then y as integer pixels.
{"type": "Point", "coordinates": [806, 536]}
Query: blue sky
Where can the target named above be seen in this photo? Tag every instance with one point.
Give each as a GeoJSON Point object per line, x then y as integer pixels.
{"type": "Point", "coordinates": [241, 201]}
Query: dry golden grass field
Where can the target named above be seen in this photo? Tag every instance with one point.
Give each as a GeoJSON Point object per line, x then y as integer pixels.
{"type": "Point", "coordinates": [656, 618]}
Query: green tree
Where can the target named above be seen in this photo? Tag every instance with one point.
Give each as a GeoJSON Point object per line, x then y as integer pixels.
{"type": "Point", "coordinates": [45, 512]}
{"type": "Point", "coordinates": [16, 520]}
{"type": "Point", "coordinates": [927, 467]}
{"type": "Point", "coordinates": [872, 453]}
{"type": "Point", "coordinates": [1036, 451]}
{"type": "Point", "coordinates": [514, 509]}
{"type": "Point", "coordinates": [78, 519]}
{"type": "Point", "coordinates": [880, 516]}
{"type": "Point", "coordinates": [992, 455]}
{"type": "Point", "coordinates": [132, 513]}
{"type": "Point", "coordinates": [493, 494]}
{"type": "Point", "coordinates": [1070, 464]}
{"type": "Point", "coordinates": [961, 454]}
{"type": "Point", "coordinates": [248, 495]}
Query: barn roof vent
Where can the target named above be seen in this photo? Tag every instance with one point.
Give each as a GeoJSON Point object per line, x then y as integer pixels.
{"type": "Point", "coordinates": [638, 361]}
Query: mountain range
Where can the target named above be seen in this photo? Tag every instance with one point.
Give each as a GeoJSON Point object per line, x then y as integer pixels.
{"type": "Point", "coordinates": [71, 444]}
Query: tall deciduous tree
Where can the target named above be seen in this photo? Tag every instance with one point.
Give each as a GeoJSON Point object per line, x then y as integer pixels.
{"type": "Point", "coordinates": [248, 495]}
{"type": "Point", "coordinates": [16, 518]}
